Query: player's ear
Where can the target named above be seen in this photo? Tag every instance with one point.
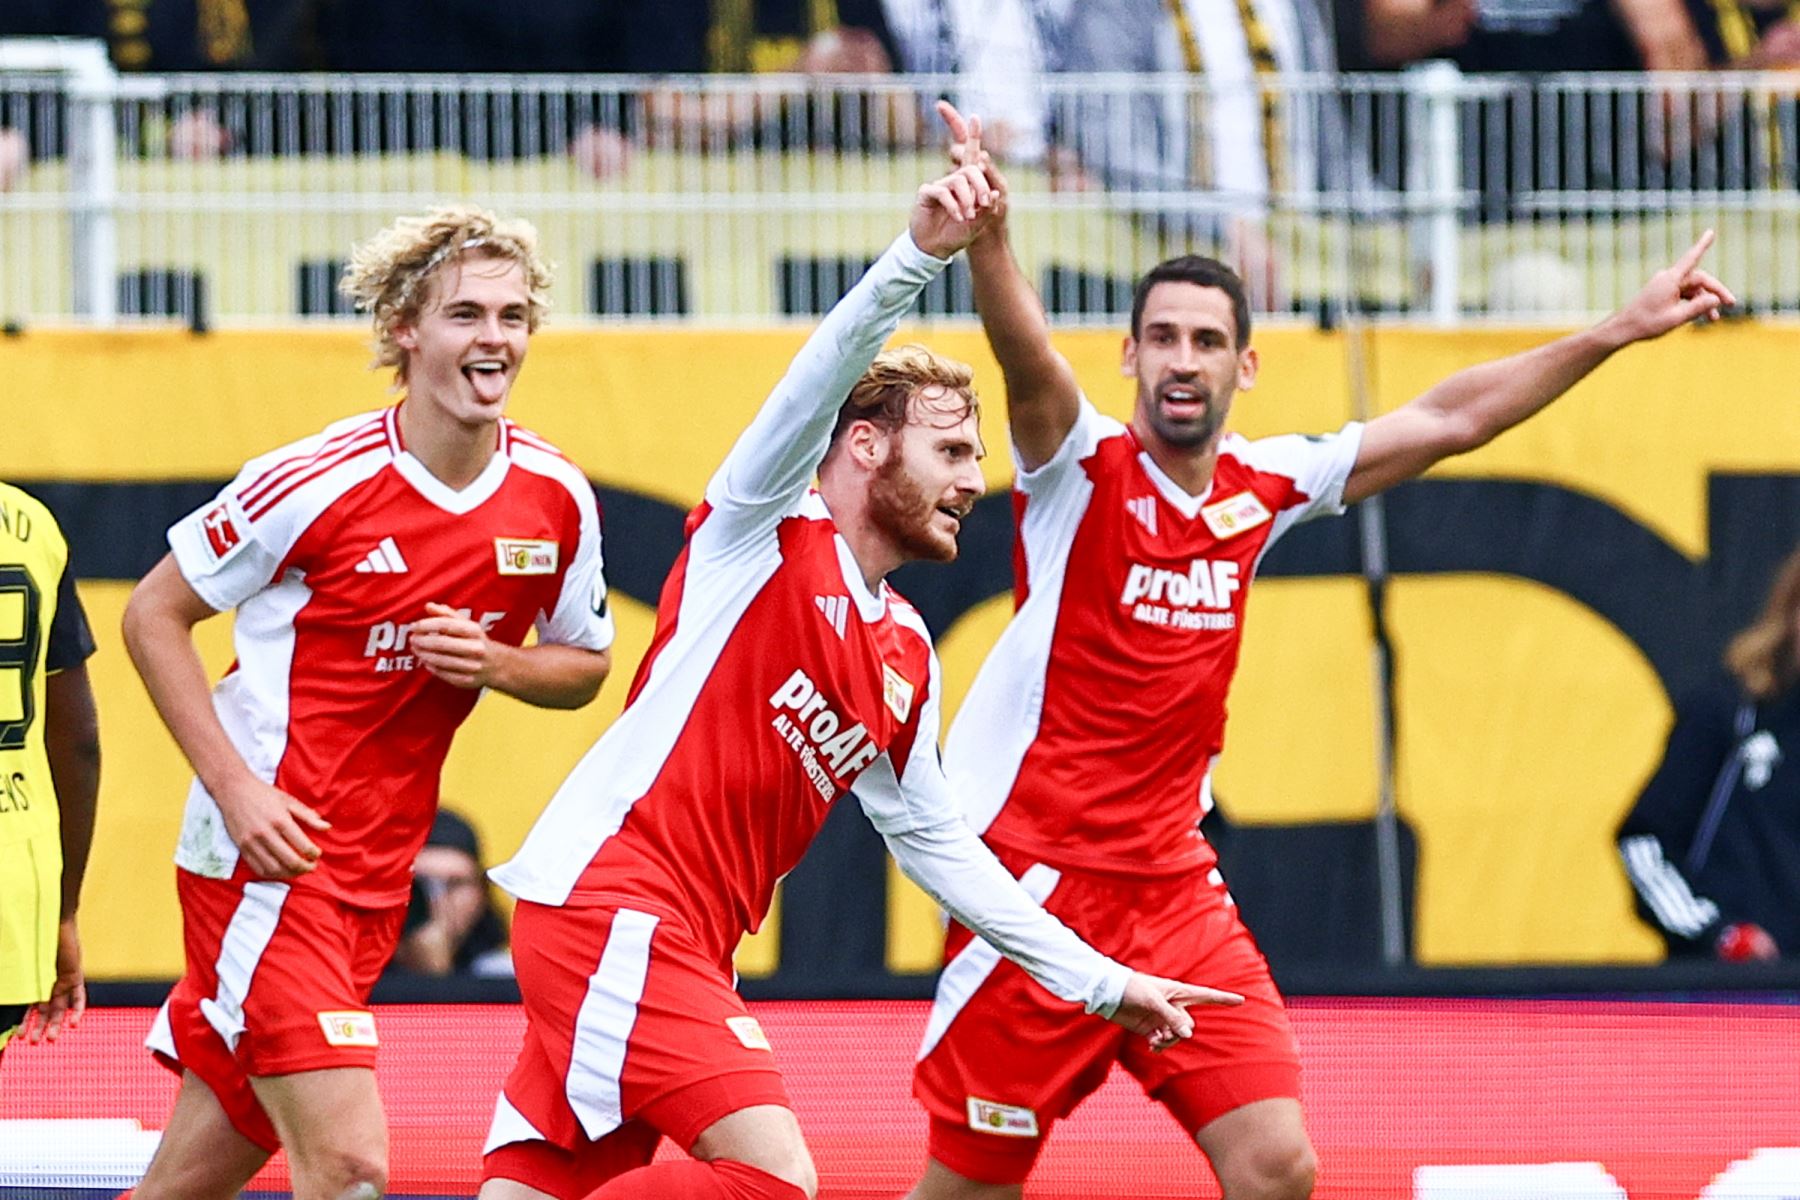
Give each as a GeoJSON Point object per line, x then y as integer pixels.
{"type": "Point", "coordinates": [867, 443]}
{"type": "Point", "coordinates": [1248, 363]}
{"type": "Point", "coordinates": [1128, 357]}
{"type": "Point", "coordinates": [406, 337]}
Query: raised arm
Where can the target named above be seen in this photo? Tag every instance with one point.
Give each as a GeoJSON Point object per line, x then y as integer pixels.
{"type": "Point", "coordinates": [1042, 396]}
{"type": "Point", "coordinates": [1474, 406]}
{"type": "Point", "coordinates": [774, 460]}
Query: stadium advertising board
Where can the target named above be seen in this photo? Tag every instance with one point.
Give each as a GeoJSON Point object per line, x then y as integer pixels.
{"type": "Point", "coordinates": [1476, 1100]}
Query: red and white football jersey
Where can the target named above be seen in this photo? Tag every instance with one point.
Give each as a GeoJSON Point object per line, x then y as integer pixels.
{"type": "Point", "coordinates": [1088, 737]}
{"type": "Point", "coordinates": [777, 682]}
{"type": "Point", "coordinates": [330, 549]}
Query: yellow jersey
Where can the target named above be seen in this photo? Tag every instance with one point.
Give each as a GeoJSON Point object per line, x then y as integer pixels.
{"type": "Point", "coordinates": [42, 631]}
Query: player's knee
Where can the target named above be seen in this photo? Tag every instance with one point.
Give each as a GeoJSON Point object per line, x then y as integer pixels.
{"type": "Point", "coordinates": [345, 1173]}
{"type": "Point", "coordinates": [1278, 1169]}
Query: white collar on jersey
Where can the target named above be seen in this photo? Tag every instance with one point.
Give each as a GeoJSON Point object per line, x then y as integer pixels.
{"type": "Point", "coordinates": [869, 605]}
{"type": "Point", "coordinates": [442, 494]}
{"type": "Point", "coordinates": [1188, 505]}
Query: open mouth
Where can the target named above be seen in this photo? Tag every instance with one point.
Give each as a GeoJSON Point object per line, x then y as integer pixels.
{"type": "Point", "coordinates": [487, 376]}
{"type": "Point", "coordinates": [957, 514]}
{"type": "Point", "coordinates": [1182, 401]}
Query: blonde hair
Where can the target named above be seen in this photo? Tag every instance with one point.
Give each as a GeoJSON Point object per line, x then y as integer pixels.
{"type": "Point", "coordinates": [1763, 655]}
{"type": "Point", "coordinates": [389, 274]}
{"type": "Point", "coordinates": [884, 393]}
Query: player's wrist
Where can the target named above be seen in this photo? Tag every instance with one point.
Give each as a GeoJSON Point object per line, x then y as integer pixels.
{"type": "Point", "coordinates": [921, 252]}
{"type": "Point", "coordinates": [505, 669]}
{"type": "Point", "coordinates": [1108, 992]}
{"type": "Point", "coordinates": [231, 789]}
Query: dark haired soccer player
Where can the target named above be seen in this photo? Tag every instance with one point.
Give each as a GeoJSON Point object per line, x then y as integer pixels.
{"type": "Point", "coordinates": [1136, 546]}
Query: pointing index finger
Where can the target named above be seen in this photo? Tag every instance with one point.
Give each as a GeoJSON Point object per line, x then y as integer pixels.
{"type": "Point", "coordinates": [959, 128]}
{"type": "Point", "coordinates": [1695, 253]}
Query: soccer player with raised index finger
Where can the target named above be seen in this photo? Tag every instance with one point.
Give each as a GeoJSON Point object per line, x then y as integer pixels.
{"type": "Point", "coordinates": [1136, 546]}
{"type": "Point", "coordinates": [784, 672]}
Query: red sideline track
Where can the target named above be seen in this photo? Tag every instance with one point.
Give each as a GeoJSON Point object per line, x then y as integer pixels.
{"type": "Point", "coordinates": [1664, 1096]}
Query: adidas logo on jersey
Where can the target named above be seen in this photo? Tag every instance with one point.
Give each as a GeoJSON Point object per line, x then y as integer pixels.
{"type": "Point", "coordinates": [384, 559]}
{"type": "Point", "coordinates": [1161, 597]}
{"type": "Point", "coordinates": [836, 610]}
{"type": "Point", "coordinates": [1144, 509]}
{"type": "Point", "coordinates": [812, 728]}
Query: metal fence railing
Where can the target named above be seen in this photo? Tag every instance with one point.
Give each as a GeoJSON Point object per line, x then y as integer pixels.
{"type": "Point", "coordinates": [1426, 194]}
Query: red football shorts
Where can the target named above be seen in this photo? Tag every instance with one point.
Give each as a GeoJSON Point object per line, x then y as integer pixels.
{"type": "Point", "coordinates": [1002, 1059]}
{"type": "Point", "coordinates": [277, 982]}
{"type": "Point", "coordinates": [632, 1034]}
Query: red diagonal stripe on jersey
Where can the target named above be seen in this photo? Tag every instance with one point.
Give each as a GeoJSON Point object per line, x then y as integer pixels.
{"type": "Point", "coordinates": [253, 491]}
{"type": "Point", "coordinates": [301, 479]}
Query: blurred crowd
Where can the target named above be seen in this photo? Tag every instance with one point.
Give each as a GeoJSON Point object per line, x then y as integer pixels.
{"type": "Point", "coordinates": [1004, 42]}
{"type": "Point", "coordinates": [999, 51]}
{"type": "Point", "coordinates": [1205, 167]}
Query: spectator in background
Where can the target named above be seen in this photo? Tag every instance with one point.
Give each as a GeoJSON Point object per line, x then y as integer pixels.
{"type": "Point", "coordinates": [32, 126]}
{"type": "Point", "coordinates": [164, 35]}
{"type": "Point", "coordinates": [206, 35]}
{"type": "Point", "coordinates": [999, 50]}
{"type": "Point", "coordinates": [1238, 131]}
{"type": "Point", "coordinates": [212, 35]}
{"type": "Point", "coordinates": [15, 152]}
{"type": "Point", "coordinates": [452, 926]}
{"type": "Point", "coordinates": [1397, 33]}
{"type": "Point", "coordinates": [1713, 845]}
{"type": "Point", "coordinates": [603, 130]}
{"type": "Point", "coordinates": [1759, 35]}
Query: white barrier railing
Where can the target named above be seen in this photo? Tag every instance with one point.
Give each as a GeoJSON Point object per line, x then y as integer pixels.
{"type": "Point", "coordinates": [1426, 194]}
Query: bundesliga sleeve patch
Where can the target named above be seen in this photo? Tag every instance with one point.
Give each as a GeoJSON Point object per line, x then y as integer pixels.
{"type": "Point", "coordinates": [749, 1032]}
{"type": "Point", "coordinates": [223, 531]}
{"type": "Point", "coordinates": [525, 556]}
{"type": "Point", "coordinates": [349, 1028]}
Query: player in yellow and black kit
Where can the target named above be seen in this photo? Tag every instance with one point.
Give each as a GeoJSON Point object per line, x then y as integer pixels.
{"type": "Point", "coordinates": [49, 751]}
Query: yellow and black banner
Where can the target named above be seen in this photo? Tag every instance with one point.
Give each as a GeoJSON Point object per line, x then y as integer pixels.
{"type": "Point", "coordinates": [1549, 594]}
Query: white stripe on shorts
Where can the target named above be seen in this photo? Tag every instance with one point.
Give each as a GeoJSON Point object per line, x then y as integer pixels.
{"type": "Point", "coordinates": [246, 937]}
{"type": "Point", "coordinates": [161, 1037]}
{"type": "Point", "coordinates": [509, 1126]}
{"type": "Point", "coordinates": [604, 1024]}
{"type": "Point", "coordinates": [963, 975]}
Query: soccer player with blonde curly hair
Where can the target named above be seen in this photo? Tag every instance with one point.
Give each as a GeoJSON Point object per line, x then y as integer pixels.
{"type": "Point", "coordinates": [384, 572]}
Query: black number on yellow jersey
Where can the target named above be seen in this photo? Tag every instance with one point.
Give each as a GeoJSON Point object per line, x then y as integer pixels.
{"type": "Point", "coordinates": [19, 649]}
